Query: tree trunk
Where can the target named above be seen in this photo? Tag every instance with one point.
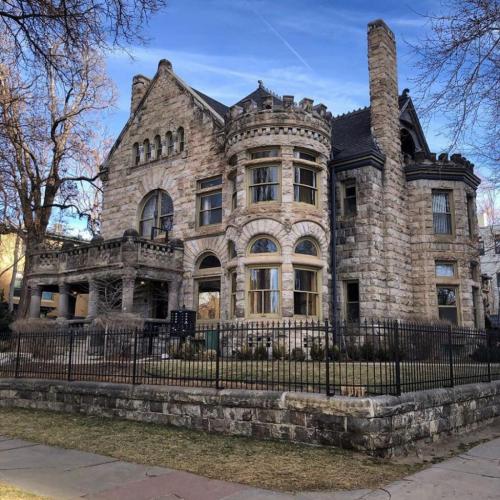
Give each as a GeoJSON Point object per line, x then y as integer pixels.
{"type": "Point", "coordinates": [12, 285]}
{"type": "Point", "coordinates": [32, 244]}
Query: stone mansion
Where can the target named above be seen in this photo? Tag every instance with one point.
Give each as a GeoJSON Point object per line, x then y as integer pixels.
{"type": "Point", "coordinates": [229, 210]}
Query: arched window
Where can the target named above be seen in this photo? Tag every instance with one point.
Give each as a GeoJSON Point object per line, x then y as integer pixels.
{"type": "Point", "coordinates": [264, 245]}
{"type": "Point", "coordinates": [180, 139]}
{"type": "Point", "coordinates": [156, 215]}
{"type": "Point", "coordinates": [158, 147]}
{"type": "Point", "coordinates": [210, 261]}
{"type": "Point", "coordinates": [137, 154]}
{"type": "Point", "coordinates": [147, 150]}
{"type": "Point", "coordinates": [307, 247]}
{"type": "Point", "coordinates": [170, 144]}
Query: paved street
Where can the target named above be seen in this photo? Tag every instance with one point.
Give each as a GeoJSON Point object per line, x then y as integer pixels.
{"type": "Point", "coordinates": [66, 474]}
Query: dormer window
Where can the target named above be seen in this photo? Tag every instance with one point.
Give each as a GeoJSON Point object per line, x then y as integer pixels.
{"type": "Point", "coordinates": [407, 144]}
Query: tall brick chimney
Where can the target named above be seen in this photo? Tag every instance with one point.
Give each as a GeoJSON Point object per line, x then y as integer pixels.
{"type": "Point", "coordinates": [382, 66]}
{"type": "Point", "coordinates": [140, 84]}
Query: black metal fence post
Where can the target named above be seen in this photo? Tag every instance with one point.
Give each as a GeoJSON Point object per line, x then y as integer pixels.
{"type": "Point", "coordinates": [217, 359]}
{"type": "Point", "coordinates": [18, 355]}
{"type": "Point", "coordinates": [398, 358]}
{"type": "Point", "coordinates": [134, 361]}
{"type": "Point", "coordinates": [450, 347]}
{"type": "Point", "coordinates": [327, 360]}
{"type": "Point", "coordinates": [488, 354]}
{"type": "Point", "coordinates": [70, 358]}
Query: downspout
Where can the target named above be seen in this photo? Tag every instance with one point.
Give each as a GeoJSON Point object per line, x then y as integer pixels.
{"type": "Point", "coordinates": [333, 240]}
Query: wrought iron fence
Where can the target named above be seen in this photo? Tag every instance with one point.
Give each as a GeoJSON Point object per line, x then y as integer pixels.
{"type": "Point", "coordinates": [376, 357]}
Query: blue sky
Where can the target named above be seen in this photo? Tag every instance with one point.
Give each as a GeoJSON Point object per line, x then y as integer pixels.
{"type": "Point", "coordinates": [314, 48]}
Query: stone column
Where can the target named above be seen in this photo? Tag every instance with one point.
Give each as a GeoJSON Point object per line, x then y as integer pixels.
{"type": "Point", "coordinates": [35, 299]}
{"type": "Point", "coordinates": [174, 295]}
{"type": "Point", "coordinates": [93, 299]}
{"type": "Point", "coordinates": [63, 305]}
{"type": "Point", "coordinates": [128, 285]}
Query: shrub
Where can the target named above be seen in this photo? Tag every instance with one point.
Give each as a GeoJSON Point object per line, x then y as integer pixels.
{"type": "Point", "coordinates": [334, 353]}
{"type": "Point", "coordinates": [297, 354]}
{"type": "Point", "coordinates": [482, 355]}
{"type": "Point", "coordinates": [317, 353]}
{"type": "Point", "coordinates": [353, 352]}
{"type": "Point", "coordinates": [209, 355]}
{"type": "Point", "coordinates": [279, 351]}
{"type": "Point", "coordinates": [260, 353]}
{"type": "Point", "coordinates": [367, 352]}
{"type": "Point", "coordinates": [245, 353]}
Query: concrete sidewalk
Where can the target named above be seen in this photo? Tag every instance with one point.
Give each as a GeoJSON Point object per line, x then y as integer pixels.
{"type": "Point", "coordinates": [66, 474]}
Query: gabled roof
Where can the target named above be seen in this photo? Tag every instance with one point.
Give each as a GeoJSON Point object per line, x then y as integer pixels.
{"type": "Point", "coordinates": [220, 108]}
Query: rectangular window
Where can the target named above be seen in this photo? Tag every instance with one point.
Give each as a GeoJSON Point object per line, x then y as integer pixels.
{"type": "Point", "coordinates": [445, 269]}
{"type": "Point", "coordinates": [305, 185]}
{"type": "Point", "coordinates": [475, 305]}
{"type": "Point", "coordinates": [264, 291]}
{"type": "Point", "coordinates": [349, 201]}
{"type": "Point", "coordinates": [305, 294]}
{"type": "Point", "coordinates": [352, 300]}
{"type": "Point", "coordinates": [264, 184]}
{"type": "Point", "coordinates": [208, 299]}
{"type": "Point", "coordinates": [265, 153]}
{"type": "Point", "coordinates": [209, 201]}
{"type": "Point", "coordinates": [470, 214]}
{"type": "Point", "coordinates": [47, 296]}
{"type": "Point", "coordinates": [234, 194]}
{"type": "Point", "coordinates": [232, 306]}
{"type": "Point", "coordinates": [481, 247]}
{"type": "Point", "coordinates": [303, 155]}
{"type": "Point", "coordinates": [447, 297]}
{"type": "Point", "coordinates": [441, 212]}
{"type": "Point", "coordinates": [497, 244]}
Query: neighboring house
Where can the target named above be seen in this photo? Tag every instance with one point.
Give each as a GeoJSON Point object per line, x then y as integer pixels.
{"type": "Point", "coordinates": [490, 267]}
{"type": "Point", "coordinates": [244, 193]}
{"type": "Point", "coordinates": [49, 299]}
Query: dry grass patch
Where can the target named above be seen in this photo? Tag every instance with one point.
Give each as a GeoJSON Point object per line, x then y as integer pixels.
{"type": "Point", "coordinates": [265, 464]}
{"type": "Point", "coordinates": [8, 492]}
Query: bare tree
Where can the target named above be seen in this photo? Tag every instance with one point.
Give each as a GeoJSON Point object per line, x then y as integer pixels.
{"type": "Point", "coordinates": [48, 140]}
{"type": "Point", "coordinates": [458, 74]}
{"type": "Point", "coordinates": [33, 25]}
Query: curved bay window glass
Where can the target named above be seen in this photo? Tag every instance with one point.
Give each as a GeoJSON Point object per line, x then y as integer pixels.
{"type": "Point", "coordinates": [157, 215]}
{"type": "Point", "coordinates": [306, 247]}
{"type": "Point", "coordinates": [264, 245]}
{"type": "Point", "coordinates": [264, 184]}
{"type": "Point", "coordinates": [441, 212]}
{"type": "Point", "coordinates": [305, 186]}
{"type": "Point", "coordinates": [305, 292]}
{"type": "Point", "coordinates": [264, 291]}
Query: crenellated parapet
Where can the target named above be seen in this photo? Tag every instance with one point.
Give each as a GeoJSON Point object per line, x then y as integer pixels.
{"type": "Point", "coordinates": [281, 120]}
{"type": "Point", "coordinates": [443, 168]}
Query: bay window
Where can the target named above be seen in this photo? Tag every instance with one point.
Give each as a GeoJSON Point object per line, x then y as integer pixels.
{"type": "Point", "coordinates": [263, 291]}
{"type": "Point", "coordinates": [305, 293]}
{"type": "Point", "coordinates": [264, 184]}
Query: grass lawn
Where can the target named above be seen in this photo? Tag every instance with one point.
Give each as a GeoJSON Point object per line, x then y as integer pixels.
{"type": "Point", "coordinates": [9, 492]}
{"type": "Point", "coordinates": [265, 464]}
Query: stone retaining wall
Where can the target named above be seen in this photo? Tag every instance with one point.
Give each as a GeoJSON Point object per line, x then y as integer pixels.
{"type": "Point", "coordinates": [383, 425]}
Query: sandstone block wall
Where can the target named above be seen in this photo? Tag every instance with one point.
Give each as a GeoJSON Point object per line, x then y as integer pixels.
{"type": "Point", "coordinates": [383, 425]}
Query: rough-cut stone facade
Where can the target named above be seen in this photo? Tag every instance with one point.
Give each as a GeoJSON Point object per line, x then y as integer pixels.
{"type": "Point", "coordinates": [382, 425]}
{"type": "Point", "coordinates": [177, 137]}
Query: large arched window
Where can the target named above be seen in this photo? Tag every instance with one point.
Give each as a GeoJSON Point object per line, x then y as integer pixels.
{"type": "Point", "coordinates": [170, 143]}
{"type": "Point", "coordinates": [158, 147]}
{"type": "Point", "coordinates": [156, 215]}
{"type": "Point", "coordinates": [210, 261]}
{"type": "Point", "coordinates": [264, 245]}
{"type": "Point", "coordinates": [180, 139]}
{"type": "Point", "coordinates": [136, 154]}
{"type": "Point", "coordinates": [147, 150]}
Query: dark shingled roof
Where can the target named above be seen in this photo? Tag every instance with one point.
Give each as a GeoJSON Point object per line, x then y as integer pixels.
{"type": "Point", "coordinates": [258, 96]}
{"type": "Point", "coordinates": [351, 134]}
{"type": "Point", "coordinates": [220, 108]}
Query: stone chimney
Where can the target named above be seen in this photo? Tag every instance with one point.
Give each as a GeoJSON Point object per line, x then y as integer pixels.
{"type": "Point", "coordinates": [140, 85]}
{"type": "Point", "coordinates": [382, 67]}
